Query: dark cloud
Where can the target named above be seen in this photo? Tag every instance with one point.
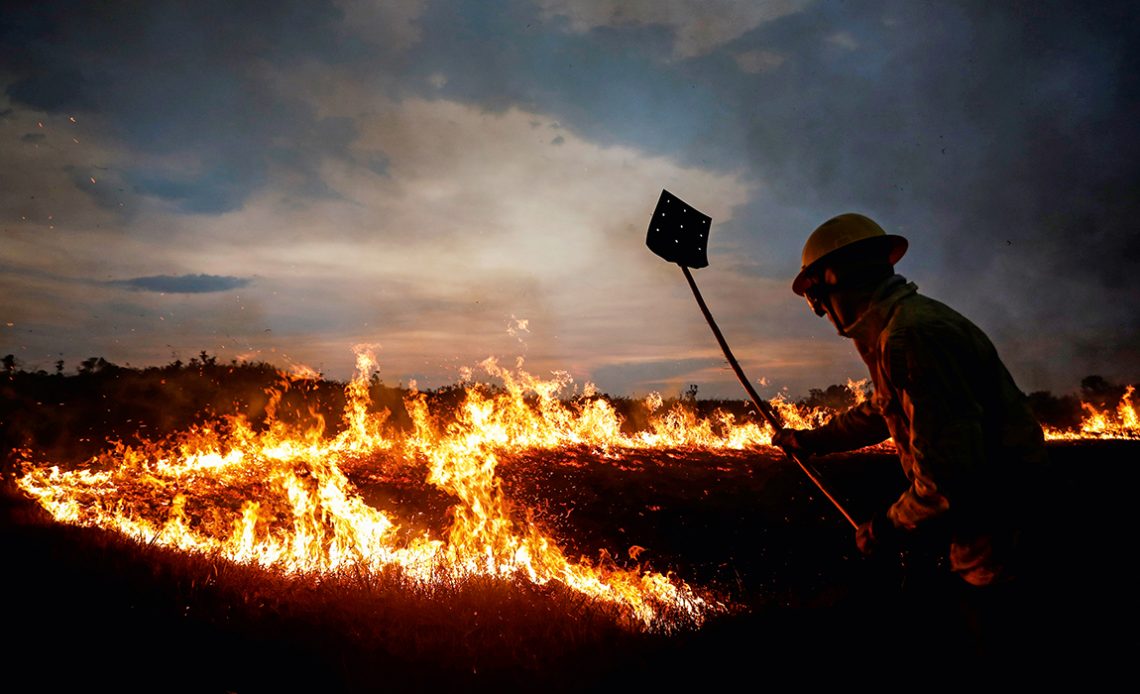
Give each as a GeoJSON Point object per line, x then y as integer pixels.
{"type": "Point", "coordinates": [62, 89]}
{"type": "Point", "coordinates": [377, 163]}
{"type": "Point", "coordinates": [33, 138]}
{"type": "Point", "coordinates": [189, 79]}
{"type": "Point", "coordinates": [616, 86]}
{"type": "Point", "coordinates": [1001, 137]}
{"type": "Point", "coordinates": [105, 187]}
{"type": "Point", "coordinates": [219, 189]}
{"type": "Point", "coordinates": [184, 284]}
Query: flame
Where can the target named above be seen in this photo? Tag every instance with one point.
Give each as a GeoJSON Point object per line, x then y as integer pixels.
{"type": "Point", "coordinates": [858, 389]}
{"type": "Point", "coordinates": [278, 495]}
{"type": "Point", "coordinates": [1123, 423]}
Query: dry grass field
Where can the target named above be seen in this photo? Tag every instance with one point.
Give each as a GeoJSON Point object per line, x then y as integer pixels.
{"type": "Point", "coordinates": [88, 608]}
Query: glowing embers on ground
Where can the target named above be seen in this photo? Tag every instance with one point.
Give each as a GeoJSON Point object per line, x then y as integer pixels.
{"type": "Point", "coordinates": [1121, 423]}
{"type": "Point", "coordinates": [278, 495]}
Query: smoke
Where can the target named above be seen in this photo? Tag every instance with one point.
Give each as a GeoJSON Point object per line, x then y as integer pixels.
{"type": "Point", "coordinates": [1001, 139]}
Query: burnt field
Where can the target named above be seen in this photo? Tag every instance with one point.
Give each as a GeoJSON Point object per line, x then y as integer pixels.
{"type": "Point", "coordinates": [89, 608]}
{"type": "Point", "coordinates": [84, 606]}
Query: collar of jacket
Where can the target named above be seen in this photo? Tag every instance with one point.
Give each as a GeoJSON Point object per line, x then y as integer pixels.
{"type": "Point", "coordinates": [866, 328]}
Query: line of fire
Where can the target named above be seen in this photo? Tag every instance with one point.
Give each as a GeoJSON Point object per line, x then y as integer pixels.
{"type": "Point", "coordinates": [287, 493]}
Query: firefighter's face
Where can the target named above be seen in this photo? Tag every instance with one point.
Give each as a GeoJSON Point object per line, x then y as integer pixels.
{"type": "Point", "coordinates": [819, 289]}
{"type": "Point", "coordinates": [816, 295]}
{"type": "Point", "coordinates": [826, 297]}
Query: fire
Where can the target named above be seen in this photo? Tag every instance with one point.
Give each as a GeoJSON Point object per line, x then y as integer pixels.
{"type": "Point", "coordinates": [858, 389]}
{"type": "Point", "coordinates": [1123, 423]}
{"type": "Point", "coordinates": [279, 495]}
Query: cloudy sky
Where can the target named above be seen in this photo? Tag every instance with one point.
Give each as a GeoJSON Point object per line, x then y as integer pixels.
{"type": "Point", "coordinates": [452, 180]}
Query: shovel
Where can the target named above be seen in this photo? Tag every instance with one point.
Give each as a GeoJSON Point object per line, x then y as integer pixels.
{"type": "Point", "coordinates": [680, 234]}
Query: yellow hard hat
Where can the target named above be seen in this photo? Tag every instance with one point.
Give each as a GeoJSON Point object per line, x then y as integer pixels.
{"type": "Point", "coordinates": [848, 231]}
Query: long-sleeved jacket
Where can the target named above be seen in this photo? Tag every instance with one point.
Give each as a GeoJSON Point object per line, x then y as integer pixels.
{"type": "Point", "coordinates": [965, 436]}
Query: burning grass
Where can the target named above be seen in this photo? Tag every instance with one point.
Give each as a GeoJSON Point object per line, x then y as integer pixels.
{"type": "Point", "coordinates": [1121, 422]}
{"type": "Point", "coordinates": [278, 496]}
{"type": "Point", "coordinates": [491, 528]}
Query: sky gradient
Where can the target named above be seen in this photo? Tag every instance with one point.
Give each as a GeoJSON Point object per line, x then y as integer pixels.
{"type": "Point", "coordinates": [449, 181]}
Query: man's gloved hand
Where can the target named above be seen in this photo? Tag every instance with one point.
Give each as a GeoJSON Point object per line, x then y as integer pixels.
{"type": "Point", "coordinates": [794, 441]}
{"type": "Point", "coordinates": [876, 535]}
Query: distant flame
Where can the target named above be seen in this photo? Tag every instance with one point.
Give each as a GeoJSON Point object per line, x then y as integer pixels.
{"type": "Point", "coordinates": [301, 372]}
{"type": "Point", "coordinates": [1121, 423]}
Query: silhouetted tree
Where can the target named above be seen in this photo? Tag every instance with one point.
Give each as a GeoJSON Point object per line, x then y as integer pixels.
{"type": "Point", "coordinates": [9, 362]}
{"type": "Point", "coordinates": [1098, 391]}
{"type": "Point", "coordinates": [1061, 412]}
{"type": "Point", "coordinates": [93, 365]}
{"type": "Point", "coordinates": [835, 397]}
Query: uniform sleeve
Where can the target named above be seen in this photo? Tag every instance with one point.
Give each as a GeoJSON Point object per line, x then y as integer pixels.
{"type": "Point", "coordinates": [859, 426]}
{"type": "Point", "coordinates": [928, 374]}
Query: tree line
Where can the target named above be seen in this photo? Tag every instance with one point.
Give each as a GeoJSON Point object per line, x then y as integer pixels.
{"type": "Point", "coordinates": [74, 414]}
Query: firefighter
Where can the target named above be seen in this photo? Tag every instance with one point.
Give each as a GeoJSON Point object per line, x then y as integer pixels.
{"type": "Point", "coordinates": [965, 436]}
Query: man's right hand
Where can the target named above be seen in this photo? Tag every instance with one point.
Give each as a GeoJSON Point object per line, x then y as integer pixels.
{"type": "Point", "coordinates": [794, 441]}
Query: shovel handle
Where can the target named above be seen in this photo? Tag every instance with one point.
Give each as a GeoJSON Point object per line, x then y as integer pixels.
{"type": "Point", "coordinates": [762, 405]}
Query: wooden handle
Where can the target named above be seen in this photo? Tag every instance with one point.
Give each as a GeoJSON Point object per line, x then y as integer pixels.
{"type": "Point", "coordinates": [765, 409]}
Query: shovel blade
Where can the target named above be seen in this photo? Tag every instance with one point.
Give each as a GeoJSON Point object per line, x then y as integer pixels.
{"type": "Point", "coordinates": [679, 232]}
